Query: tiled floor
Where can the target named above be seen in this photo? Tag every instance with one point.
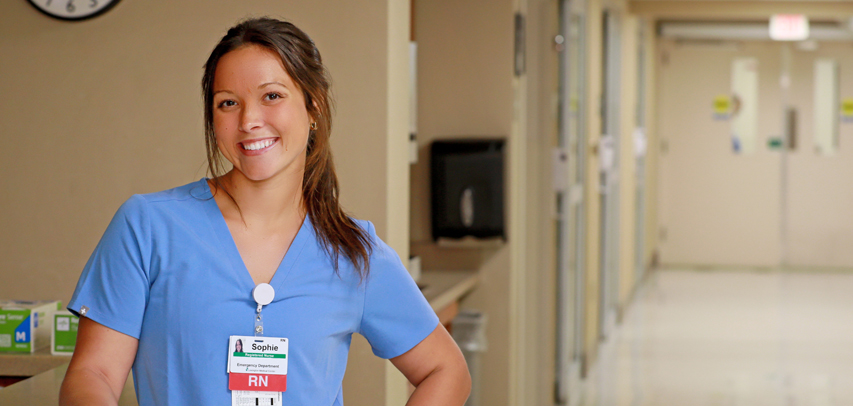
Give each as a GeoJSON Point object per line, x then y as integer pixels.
{"type": "Point", "coordinates": [731, 338]}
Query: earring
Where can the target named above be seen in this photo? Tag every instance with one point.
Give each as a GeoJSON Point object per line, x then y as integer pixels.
{"type": "Point", "coordinates": [314, 125]}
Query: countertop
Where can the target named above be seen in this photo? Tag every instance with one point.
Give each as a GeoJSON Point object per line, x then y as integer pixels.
{"type": "Point", "coordinates": [16, 364]}
{"type": "Point", "coordinates": [43, 389]}
{"type": "Point", "coordinates": [440, 288]}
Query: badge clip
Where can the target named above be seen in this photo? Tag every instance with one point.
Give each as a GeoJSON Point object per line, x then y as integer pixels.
{"type": "Point", "coordinates": [263, 294]}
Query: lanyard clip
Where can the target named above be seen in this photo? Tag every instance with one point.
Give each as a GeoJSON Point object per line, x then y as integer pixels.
{"type": "Point", "coordinates": [259, 325]}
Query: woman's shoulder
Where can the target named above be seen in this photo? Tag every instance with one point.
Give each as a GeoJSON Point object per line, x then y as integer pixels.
{"type": "Point", "coordinates": [194, 190]}
{"type": "Point", "coordinates": [168, 199]}
{"type": "Point", "coordinates": [380, 253]}
{"type": "Point", "coordinates": [365, 225]}
{"type": "Point", "coordinates": [197, 190]}
{"type": "Point", "coordinates": [370, 232]}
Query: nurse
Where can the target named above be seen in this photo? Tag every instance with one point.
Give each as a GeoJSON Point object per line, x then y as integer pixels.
{"type": "Point", "coordinates": [169, 286]}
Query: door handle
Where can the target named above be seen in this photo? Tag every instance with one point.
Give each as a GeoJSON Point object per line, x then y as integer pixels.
{"type": "Point", "coordinates": [791, 128]}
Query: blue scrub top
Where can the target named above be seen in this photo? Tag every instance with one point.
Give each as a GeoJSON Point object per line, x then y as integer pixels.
{"type": "Point", "coordinates": [168, 273]}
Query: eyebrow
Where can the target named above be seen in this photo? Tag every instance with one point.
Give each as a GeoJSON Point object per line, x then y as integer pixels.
{"type": "Point", "coordinates": [259, 87]}
{"type": "Point", "coordinates": [272, 83]}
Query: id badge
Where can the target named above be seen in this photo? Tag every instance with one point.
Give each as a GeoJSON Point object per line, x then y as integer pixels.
{"type": "Point", "coordinates": [257, 364]}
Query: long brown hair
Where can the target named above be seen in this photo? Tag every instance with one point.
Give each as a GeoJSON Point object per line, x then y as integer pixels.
{"type": "Point", "coordinates": [338, 233]}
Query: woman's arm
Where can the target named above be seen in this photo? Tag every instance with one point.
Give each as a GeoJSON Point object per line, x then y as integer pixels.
{"type": "Point", "coordinates": [99, 367]}
{"type": "Point", "coordinates": [437, 369]}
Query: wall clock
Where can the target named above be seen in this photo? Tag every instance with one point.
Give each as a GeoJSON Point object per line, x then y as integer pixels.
{"type": "Point", "coordinates": [73, 9]}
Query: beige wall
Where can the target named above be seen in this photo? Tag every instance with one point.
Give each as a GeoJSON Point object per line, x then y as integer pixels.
{"type": "Point", "coordinates": [465, 90]}
{"type": "Point", "coordinates": [95, 111]}
{"type": "Point", "coordinates": [738, 9]}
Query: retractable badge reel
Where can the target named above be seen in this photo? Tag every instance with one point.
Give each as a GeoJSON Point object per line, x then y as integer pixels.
{"type": "Point", "coordinates": [252, 382]}
{"type": "Point", "coordinates": [263, 294]}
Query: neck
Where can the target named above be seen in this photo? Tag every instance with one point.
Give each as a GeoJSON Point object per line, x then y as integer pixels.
{"type": "Point", "coordinates": [268, 203]}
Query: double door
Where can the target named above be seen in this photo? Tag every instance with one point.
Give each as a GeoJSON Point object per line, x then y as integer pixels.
{"type": "Point", "coordinates": [756, 155]}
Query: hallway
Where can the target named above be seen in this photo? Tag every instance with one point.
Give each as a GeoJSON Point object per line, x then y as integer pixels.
{"type": "Point", "coordinates": [731, 337]}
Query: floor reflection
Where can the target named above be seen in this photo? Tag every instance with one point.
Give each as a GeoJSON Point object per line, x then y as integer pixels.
{"type": "Point", "coordinates": [728, 337]}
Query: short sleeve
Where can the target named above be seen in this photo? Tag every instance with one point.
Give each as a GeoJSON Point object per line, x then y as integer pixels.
{"type": "Point", "coordinates": [396, 315]}
{"type": "Point", "coordinates": [113, 288]}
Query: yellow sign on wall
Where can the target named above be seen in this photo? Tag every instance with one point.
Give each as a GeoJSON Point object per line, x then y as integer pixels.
{"type": "Point", "coordinates": [722, 107]}
{"type": "Point", "coordinates": [847, 109]}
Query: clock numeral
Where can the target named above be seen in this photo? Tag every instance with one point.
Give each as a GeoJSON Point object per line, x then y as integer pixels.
{"type": "Point", "coordinates": [70, 6]}
{"type": "Point", "coordinates": [93, 4]}
{"type": "Point", "coordinates": [48, 2]}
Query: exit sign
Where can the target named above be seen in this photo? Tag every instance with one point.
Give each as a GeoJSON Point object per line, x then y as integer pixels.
{"type": "Point", "coordinates": [789, 27]}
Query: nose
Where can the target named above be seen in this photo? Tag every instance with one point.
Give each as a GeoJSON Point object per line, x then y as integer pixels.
{"type": "Point", "coordinates": [251, 117]}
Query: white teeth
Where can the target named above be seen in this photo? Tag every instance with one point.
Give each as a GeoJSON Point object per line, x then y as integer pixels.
{"type": "Point", "coordinates": [258, 145]}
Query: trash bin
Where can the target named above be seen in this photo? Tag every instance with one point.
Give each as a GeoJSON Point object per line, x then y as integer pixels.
{"type": "Point", "coordinates": [469, 332]}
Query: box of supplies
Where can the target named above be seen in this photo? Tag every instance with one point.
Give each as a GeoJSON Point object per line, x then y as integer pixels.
{"type": "Point", "coordinates": [25, 326]}
{"type": "Point", "coordinates": [64, 334]}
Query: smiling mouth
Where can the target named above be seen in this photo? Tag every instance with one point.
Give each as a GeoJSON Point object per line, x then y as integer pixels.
{"type": "Point", "coordinates": [258, 145]}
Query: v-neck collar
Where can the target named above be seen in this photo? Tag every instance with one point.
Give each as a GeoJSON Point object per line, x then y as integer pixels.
{"type": "Point", "coordinates": [229, 247]}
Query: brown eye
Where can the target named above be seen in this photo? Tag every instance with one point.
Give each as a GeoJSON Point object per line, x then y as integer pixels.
{"type": "Point", "coordinates": [226, 103]}
{"type": "Point", "coordinates": [272, 96]}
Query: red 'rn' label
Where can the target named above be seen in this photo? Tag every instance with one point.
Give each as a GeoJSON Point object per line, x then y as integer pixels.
{"type": "Point", "coordinates": [257, 382]}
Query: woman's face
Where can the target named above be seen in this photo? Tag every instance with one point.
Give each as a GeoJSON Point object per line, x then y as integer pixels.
{"type": "Point", "coordinates": [259, 115]}
{"type": "Point", "coordinates": [239, 346]}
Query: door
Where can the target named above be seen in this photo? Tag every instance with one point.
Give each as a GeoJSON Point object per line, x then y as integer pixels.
{"type": "Point", "coordinates": [640, 146]}
{"type": "Point", "coordinates": [609, 173]}
{"type": "Point", "coordinates": [728, 198]}
{"type": "Point", "coordinates": [818, 178]}
{"type": "Point", "coordinates": [569, 200]}
{"type": "Point", "coordinates": [717, 206]}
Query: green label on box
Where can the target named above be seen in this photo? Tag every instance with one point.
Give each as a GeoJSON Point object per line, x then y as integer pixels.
{"type": "Point", "coordinates": [65, 338]}
{"type": "Point", "coordinates": [15, 330]}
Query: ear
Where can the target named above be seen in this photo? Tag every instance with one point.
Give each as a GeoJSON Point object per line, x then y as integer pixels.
{"type": "Point", "coordinates": [314, 113]}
